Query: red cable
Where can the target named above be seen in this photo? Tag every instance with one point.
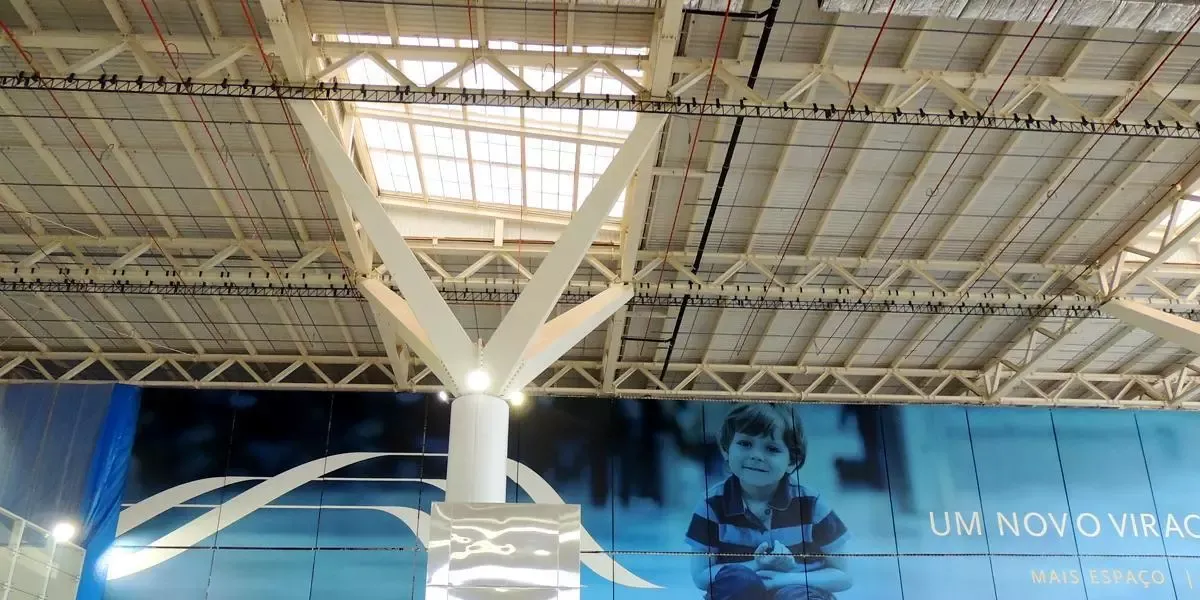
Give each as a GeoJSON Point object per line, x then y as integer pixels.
{"type": "Point", "coordinates": [287, 115]}
{"type": "Point", "coordinates": [204, 124]}
{"type": "Point", "coordinates": [258, 226]}
{"type": "Point", "coordinates": [991, 101]}
{"type": "Point", "coordinates": [295, 137]}
{"type": "Point", "coordinates": [148, 232]}
{"type": "Point", "coordinates": [832, 141]}
{"type": "Point", "coordinates": [696, 137]}
{"type": "Point", "coordinates": [29, 60]}
{"type": "Point", "coordinates": [1079, 161]}
{"type": "Point", "coordinates": [262, 52]}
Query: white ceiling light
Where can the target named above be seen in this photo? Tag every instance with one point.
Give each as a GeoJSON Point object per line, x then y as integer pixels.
{"type": "Point", "coordinates": [443, 396]}
{"type": "Point", "coordinates": [516, 398]}
{"type": "Point", "coordinates": [478, 380]}
{"type": "Point", "coordinates": [63, 532]}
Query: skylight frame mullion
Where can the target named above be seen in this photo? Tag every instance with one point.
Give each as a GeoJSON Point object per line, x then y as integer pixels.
{"type": "Point", "coordinates": [417, 157]}
{"type": "Point", "coordinates": [470, 160]}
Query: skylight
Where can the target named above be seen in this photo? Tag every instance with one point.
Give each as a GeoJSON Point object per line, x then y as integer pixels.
{"type": "Point", "coordinates": [1154, 239]}
{"type": "Point", "coordinates": [544, 159]}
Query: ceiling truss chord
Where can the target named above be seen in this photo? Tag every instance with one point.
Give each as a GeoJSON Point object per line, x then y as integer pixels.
{"type": "Point", "coordinates": [581, 378]}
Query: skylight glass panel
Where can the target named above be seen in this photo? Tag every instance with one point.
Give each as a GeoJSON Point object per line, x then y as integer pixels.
{"type": "Point", "coordinates": [496, 148]}
{"type": "Point", "coordinates": [388, 135]}
{"type": "Point", "coordinates": [501, 114]}
{"type": "Point", "coordinates": [483, 76]}
{"type": "Point", "coordinates": [366, 71]}
{"type": "Point", "coordinates": [542, 78]}
{"type": "Point", "coordinates": [442, 141]}
{"type": "Point", "coordinates": [546, 159]}
{"type": "Point", "coordinates": [498, 184]}
{"type": "Point", "coordinates": [396, 171]}
{"type": "Point", "coordinates": [595, 159]}
{"type": "Point", "coordinates": [447, 178]}
{"type": "Point", "coordinates": [1188, 210]}
{"type": "Point", "coordinates": [359, 38]}
{"type": "Point", "coordinates": [552, 190]}
{"type": "Point", "coordinates": [552, 155]}
{"type": "Point", "coordinates": [587, 182]}
{"type": "Point", "coordinates": [424, 72]}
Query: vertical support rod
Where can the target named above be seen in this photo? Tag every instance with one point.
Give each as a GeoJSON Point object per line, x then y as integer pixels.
{"type": "Point", "coordinates": [478, 459]}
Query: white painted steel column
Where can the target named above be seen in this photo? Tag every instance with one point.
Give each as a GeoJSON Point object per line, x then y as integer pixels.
{"type": "Point", "coordinates": [477, 464]}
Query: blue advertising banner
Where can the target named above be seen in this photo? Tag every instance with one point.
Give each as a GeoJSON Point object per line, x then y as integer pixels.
{"type": "Point", "coordinates": [316, 495]}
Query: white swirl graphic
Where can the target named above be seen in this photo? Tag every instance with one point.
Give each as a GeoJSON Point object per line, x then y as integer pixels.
{"type": "Point", "coordinates": [272, 488]}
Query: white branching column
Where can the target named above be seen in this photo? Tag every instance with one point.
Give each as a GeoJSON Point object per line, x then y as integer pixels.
{"type": "Point", "coordinates": [476, 467]}
{"type": "Point", "coordinates": [527, 340]}
{"type": "Point", "coordinates": [477, 376]}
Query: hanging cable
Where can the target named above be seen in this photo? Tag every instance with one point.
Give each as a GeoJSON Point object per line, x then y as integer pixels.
{"type": "Point", "coordinates": [727, 164]}
{"type": "Point", "coordinates": [1044, 309]}
{"type": "Point", "coordinates": [259, 227]}
{"type": "Point", "coordinates": [91, 150]}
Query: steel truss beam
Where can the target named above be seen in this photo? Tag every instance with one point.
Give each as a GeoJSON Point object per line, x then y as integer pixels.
{"type": "Point", "coordinates": [583, 378]}
{"type": "Point", "coordinates": [480, 270]}
{"type": "Point", "coordinates": [909, 82]}
{"type": "Point", "coordinates": [569, 298]}
{"type": "Point", "coordinates": [114, 83]}
{"type": "Point", "coordinates": [1132, 263]}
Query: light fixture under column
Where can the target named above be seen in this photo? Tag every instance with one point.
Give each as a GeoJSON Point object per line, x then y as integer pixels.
{"type": "Point", "coordinates": [63, 532]}
{"type": "Point", "coordinates": [443, 396]}
{"type": "Point", "coordinates": [516, 398]}
{"type": "Point", "coordinates": [478, 380]}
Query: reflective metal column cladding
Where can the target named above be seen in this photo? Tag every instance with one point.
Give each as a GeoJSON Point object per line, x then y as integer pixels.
{"type": "Point", "coordinates": [511, 551]}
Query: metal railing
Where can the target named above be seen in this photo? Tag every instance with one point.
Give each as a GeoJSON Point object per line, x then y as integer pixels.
{"type": "Point", "coordinates": [33, 564]}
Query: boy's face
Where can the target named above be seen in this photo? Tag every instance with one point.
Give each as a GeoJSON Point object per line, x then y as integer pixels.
{"type": "Point", "coordinates": [758, 460]}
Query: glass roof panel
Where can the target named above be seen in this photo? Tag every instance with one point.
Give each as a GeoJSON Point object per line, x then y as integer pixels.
{"type": "Point", "coordinates": [547, 159]}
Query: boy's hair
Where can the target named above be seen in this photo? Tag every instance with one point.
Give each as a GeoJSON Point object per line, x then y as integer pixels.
{"type": "Point", "coordinates": [759, 419]}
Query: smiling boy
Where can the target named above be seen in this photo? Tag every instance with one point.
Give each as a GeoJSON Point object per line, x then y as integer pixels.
{"type": "Point", "coordinates": [761, 534]}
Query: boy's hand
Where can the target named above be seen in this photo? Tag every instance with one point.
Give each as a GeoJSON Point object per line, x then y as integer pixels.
{"type": "Point", "coordinates": [775, 557]}
{"type": "Point", "coordinates": [762, 557]}
{"type": "Point", "coordinates": [784, 561]}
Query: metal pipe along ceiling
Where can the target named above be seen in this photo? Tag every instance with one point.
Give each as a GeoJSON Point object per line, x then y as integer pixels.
{"type": "Point", "coordinates": [759, 54]}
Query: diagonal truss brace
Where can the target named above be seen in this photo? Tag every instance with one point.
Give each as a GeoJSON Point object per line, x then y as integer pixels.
{"type": "Point", "coordinates": [505, 352]}
{"type": "Point", "coordinates": [1177, 330]}
{"type": "Point", "coordinates": [451, 347]}
{"type": "Point", "coordinates": [522, 345]}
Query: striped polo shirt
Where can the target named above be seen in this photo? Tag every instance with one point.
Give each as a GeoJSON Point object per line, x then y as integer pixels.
{"type": "Point", "coordinates": [800, 520]}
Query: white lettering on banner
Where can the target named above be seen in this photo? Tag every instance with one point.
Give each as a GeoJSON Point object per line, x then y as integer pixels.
{"type": "Point", "coordinates": [1094, 531]}
{"type": "Point", "coordinates": [1119, 528]}
{"type": "Point", "coordinates": [1060, 524]}
{"type": "Point", "coordinates": [933, 525]}
{"type": "Point", "coordinates": [1171, 524]}
{"type": "Point", "coordinates": [1002, 520]}
{"type": "Point", "coordinates": [1066, 576]}
{"type": "Point", "coordinates": [1100, 576]}
{"type": "Point", "coordinates": [975, 527]}
{"type": "Point", "coordinates": [1037, 524]}
{"type": "Point", "coordinates": [1188, 527]}
{"type": "Point", "coordinates": [961, 525]}
{"type": "Point", "coordinates": [1142, 577]}
{"type": "Point", "coordinates": [1149, 525]}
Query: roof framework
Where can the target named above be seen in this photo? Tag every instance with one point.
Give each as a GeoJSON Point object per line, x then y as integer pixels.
{"type": "Point", "coordinates": [958, 250]}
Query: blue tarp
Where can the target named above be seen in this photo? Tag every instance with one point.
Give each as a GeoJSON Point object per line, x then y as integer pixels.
{"type": "Point", "coordinates": [47, 433]}
{"type": "Point", "coordinates": [101, 506]}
